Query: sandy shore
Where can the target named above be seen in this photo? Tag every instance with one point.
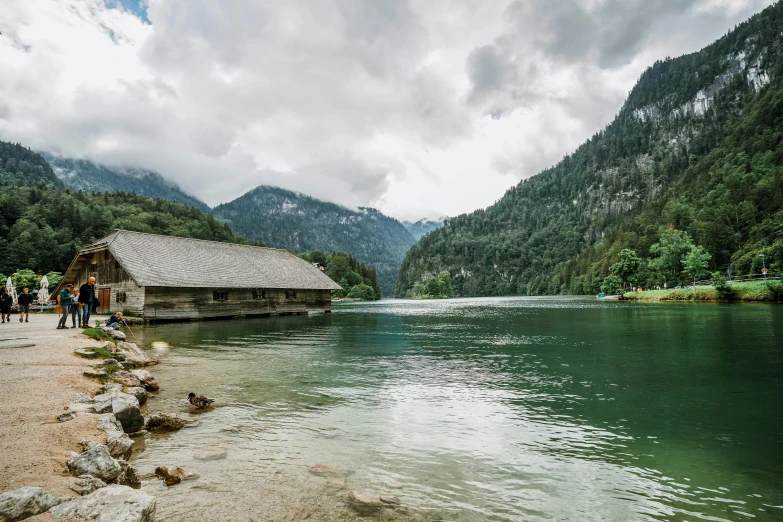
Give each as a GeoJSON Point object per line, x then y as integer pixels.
{"type": "Point", "coordinates": [36, 384]}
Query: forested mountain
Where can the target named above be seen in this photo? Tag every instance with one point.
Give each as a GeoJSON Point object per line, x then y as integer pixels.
{"type": "Point", "coordinates": [423, 226]}
{"type": "Point", "coordinates": [284, 219]}
{"type": "Point", "coordinates": [42, 227]}
{"type": "Point", "coordinates": [91, 177]}
{"type": "Point", "coordinates": [18, 163]}
{"type": "Point", "coordinates": [697, 146]}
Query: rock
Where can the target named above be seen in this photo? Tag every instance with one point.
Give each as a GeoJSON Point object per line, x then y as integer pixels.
{"type": "Point", "coordinates": [390, 500]}
{"type": "Point", "coordinates": [94, 374]}
{"type": "Point", "coordinates": [138, 392]}
{"type": "Point", "coordinates": [69, 415]}
{"type": "Point", "coordinates": [111, 387]}
{"type": "Point", "coordinates": [110, 362]}
{"type": "Point", "coordinates": [126, 409]}
{"type": "Point", "coordinates": [119, 444]}
{"type": "Point", "coordinates": [113, 503]}
{"type": "Point", "coordinates": [106, 329]}
{"type": "Point", "coordinates": [127, 365]}
{"type": "Point", "coordinates": [116, 334]}
{"type": "Point", "coordinates": [126, 378]}
{"type": "Point", "coordinates": [129, 476]}
{"type": "Point", "coordinates": [335, 483]}
{"type": "Point", "coordinates": [26, 502]}
{"type": "Point", "coordinates": [328, 471]}
{"type": "Point", "coordinates": [135, 355]}
{"type": "Point", "coordinates": [85, 352]}
{"type": "Point", "coordinates": [95, 461]}
{"type": "Point", "coordinates": [212, 454]}
{"type": "Point", "coordinates": [147, 380]}
{"type": "Point", "coordinates": [165, 422]}
{"type": "Point", "coordinates": [139, 433]}
{"type": "Point", "coordinates": [171, 476]}
{"type": "Point", "coordinates": [86, 484]}
{"type": "Point", "coordinates": [364, 503]}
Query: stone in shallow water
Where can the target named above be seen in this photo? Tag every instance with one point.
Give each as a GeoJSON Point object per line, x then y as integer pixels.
{"type": "Point", "coordinates": [334, 484]}
{"type": "Point", "coordinates": [165, 422]}
{"type": "Point", "coordinates": [171, 476]}
{"type": "Point", "coordinates": [129, 476]}
{"type": "Point", "coordinates": [110, 504]}
{"type": "Point", "coordinates": [328, 471]}
{"type": "Point", "coordinates": [138, 392]}
{"type": "Point", "coordinates": [26, 502]}
{"type": "Point", "coordinates": [364, 503]}
{"type": "Point", "coordinates": [212, 454]}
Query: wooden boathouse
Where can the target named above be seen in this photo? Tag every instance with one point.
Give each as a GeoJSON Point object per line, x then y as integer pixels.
{"type": "Point", "coordinates": [164, 278]}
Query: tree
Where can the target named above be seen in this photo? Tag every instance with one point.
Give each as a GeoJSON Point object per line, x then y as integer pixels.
{"type": "Point", "coordinates": [612, 285]}
{"type": "Point", "coordinates": [627, 268]}
{"type": "Point", "coordinates": [444, 283]}
{"type": "Point", "coordinates": [26, 279]}
{"type": "Point", "coordinates": [670, 252]}
{"type": "Point", "coordinates": [54, 278]}
{"type": "Point", "coordinates": [363, 292]}
{"type": "Point", "coordinates": [695, 263]}
{"type": "Point", "coordinates": [433, 287]}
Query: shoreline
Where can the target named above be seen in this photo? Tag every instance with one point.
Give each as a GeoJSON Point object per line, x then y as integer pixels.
{"type": "Point", "coordinates": [741, 292]}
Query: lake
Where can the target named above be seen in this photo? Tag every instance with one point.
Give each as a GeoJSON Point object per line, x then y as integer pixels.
{"type": "Point", "coordinates": [479, 409]}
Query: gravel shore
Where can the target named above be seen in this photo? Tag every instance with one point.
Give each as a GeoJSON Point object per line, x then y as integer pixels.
{"type": "Point", "coordinates": [39, 375]}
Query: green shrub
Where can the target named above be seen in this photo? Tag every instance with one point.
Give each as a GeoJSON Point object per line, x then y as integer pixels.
{"type": "Point", "coordinates": [774, 291]}
{"type": "Point", "coordinates": [722, 286]}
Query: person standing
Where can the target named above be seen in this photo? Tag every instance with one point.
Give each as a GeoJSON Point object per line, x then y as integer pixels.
{"type": "Point", "coordinates": [65, 304]}
{"type": "Point", "coordinates": [25, 300]}
{"type": "Point", "coordinates": [5, 305]}
{"type": "Point", "coordinates": [75, 311]}
{"type": "Point", "coordinates": [88, 299]}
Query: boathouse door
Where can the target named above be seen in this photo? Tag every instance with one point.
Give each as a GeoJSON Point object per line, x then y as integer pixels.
{"type": "Point", "coordinates": [104, 296]}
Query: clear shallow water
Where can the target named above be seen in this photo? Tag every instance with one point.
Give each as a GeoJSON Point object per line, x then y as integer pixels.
{"type": "Point", "coordinates": [482, 409]}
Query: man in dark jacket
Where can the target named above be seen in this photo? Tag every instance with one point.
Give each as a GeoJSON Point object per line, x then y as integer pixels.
{"type": "Point", "coordinates": [5, 305]}
{"type": "Point", "coordinates": [25, 300]}
{"type": "Point", "coordinates": [88, 299]}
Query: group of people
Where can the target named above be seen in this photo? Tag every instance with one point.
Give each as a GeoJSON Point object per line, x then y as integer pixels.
{"type": "Point", "coordinates": [6, 301]}
{"type": "Point", "coordinates": [79, 305]}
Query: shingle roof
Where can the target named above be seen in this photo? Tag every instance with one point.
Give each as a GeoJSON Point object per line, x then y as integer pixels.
{"type": "Point", "coordinates": [153, 260]}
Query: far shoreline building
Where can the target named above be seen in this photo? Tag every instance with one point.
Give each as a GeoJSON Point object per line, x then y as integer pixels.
{"type": "Point", "coordinates": [165, 278]}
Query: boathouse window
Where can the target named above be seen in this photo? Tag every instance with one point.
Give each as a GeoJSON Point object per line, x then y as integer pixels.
{"type": "Point", "coordinates": [290, 294]}
{"type": "Point", "coordinates": [122, 297]}
{"type": "Point", "coordinates": [220, 295]}
{"type": "Point", "coordinates": [259, 294]}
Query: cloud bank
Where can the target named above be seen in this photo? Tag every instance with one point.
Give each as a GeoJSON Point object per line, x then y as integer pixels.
{"type": "Point", "coordinates": [418, 108]}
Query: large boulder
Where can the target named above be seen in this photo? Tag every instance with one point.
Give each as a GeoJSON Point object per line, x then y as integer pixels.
{"type": "Point", "coordinates": [118, 335]}
{"type": "Point", "coordinates": [147, 380]}
{"type": "Point", "coordinates": [119, 444]}
{"type": "Point", "coordinates": [165, 422]}
{"type": "Point", "coordinates": [26, 502]}
{"type": "Point", "coordinates": [135, 354]}
{"type": "Point", "coordinates": [138, 392]}
{"type": "Point", "coordinates": [126, 409]}
{"type": "Point", "coordinates": [125, 377]}
{"type": "Point", "coordinates": [113, 503]}
{"type": "Point", "coordinates": [95, 460]}
{"type": "Point", "coordinates": [86, 484]}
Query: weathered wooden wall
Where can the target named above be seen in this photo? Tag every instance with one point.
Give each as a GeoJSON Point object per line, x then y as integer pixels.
{"type": "Point", "coordinates": [197, 303]}
{"type": "Point", "coordinates": [109, 274]}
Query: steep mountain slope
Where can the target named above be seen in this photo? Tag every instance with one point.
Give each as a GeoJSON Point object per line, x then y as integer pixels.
{"type": "Point", "coordinates": [91, 177]}
{"type": "Point", "coordinates": [423, 226]}
{"type": "Point", "coordinates": [697, 146]}
{"type": "Point", "coordinates": [18, 163]}
{"type": "Point", "coordinates": [284, 219]}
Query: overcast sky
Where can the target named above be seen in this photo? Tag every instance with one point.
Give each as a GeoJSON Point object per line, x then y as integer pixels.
{"type": "Point", "coordinates": [419, 108]}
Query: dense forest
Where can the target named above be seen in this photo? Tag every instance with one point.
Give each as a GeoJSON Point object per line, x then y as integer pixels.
{"type": "Point", "coordinates": [42, 227]}
{"type": "Point", "coordinates": [79, 174]}
{"type": "Point", "coordinates": [18, 163]}
{"type": "Point", "coordinates": [284, 219]}
{"type": "Point", "coordinates": [358, 280]}
{"type": "Point", "coordinates": [697, 147]}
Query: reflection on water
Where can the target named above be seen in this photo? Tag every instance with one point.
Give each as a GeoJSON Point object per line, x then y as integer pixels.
{"type": "Point", "coordinates": [481, 409]}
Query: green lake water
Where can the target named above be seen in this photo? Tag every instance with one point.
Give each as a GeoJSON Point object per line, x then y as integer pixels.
{"type": "Point", "coordinates": [480, 409]}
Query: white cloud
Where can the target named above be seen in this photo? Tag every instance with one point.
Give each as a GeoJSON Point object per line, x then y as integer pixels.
{"type": "Point", "coordinates": [418, 108]}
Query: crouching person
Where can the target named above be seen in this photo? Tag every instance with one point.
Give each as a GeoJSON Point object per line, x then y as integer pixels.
{"type": "Point", "coordinates": [114, 321]}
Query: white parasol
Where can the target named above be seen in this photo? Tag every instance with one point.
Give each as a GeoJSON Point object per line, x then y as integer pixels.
{"type": "Point", "coordinates": [11, 290]}
{"type": "Point", "coordinates": [43, 293]}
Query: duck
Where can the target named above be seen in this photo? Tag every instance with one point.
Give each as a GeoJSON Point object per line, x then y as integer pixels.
{"type": "Point", "coordinates": [199, 401]}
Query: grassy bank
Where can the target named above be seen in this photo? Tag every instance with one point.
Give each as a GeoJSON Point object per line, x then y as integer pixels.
{"type": "Point", "coordinates": [747, 291]}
